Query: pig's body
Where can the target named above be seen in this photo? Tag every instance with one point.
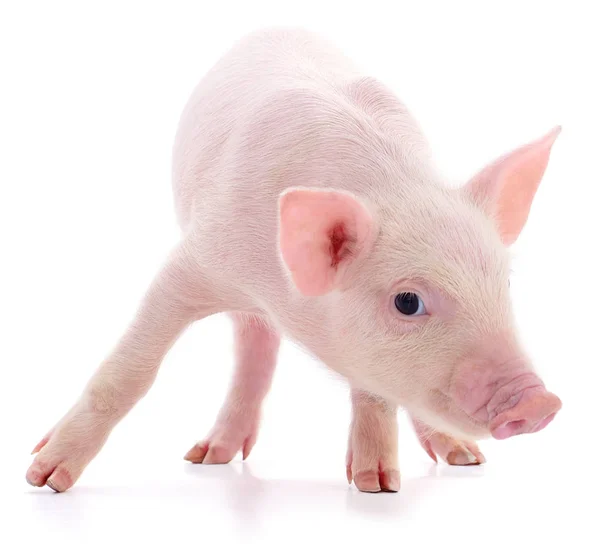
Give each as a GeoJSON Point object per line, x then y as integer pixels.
{"type": "Point", "coordinates": [309, 207]}
{"type": "Point", "coordinates": [282, 109]}
{"type": "Point", "coordinates": [246, 135]}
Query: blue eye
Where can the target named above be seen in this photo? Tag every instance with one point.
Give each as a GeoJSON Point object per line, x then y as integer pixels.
{"type": "Point", "coordinates": [409, 304]}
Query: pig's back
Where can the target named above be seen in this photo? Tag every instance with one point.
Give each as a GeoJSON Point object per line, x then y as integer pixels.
{"type": "Point", "coordinates": [228, 96]}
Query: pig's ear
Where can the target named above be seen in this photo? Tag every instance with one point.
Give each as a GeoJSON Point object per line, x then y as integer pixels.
{"type": "Point", "coordinates": [321, 234]}
{"type": "Point", "coordinates": [505, 189]}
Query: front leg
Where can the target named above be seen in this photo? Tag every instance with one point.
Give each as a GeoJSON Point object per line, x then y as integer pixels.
{"type": "Point", "coordinates": [372, 458]}
{"type": "Point", "coordinates": [178, 296]}
{"type": "Point", "coordinates": [450, 449]}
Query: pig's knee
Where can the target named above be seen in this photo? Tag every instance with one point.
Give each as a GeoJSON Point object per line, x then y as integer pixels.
{"type": "Point", "coordinates": [101, 399]}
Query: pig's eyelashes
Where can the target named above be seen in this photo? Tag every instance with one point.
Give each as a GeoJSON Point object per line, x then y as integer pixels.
{"type": "Point", "coordinates": [409, 304]}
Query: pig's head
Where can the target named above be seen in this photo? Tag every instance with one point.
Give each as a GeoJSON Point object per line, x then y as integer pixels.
{"type": "Point", "coordinates": [414, 287]}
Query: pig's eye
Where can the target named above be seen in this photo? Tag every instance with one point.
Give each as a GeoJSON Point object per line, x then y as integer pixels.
{"type": "Point", "coordinates": [409, 304]}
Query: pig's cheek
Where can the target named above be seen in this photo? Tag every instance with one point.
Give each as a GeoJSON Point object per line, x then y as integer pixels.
{"type": "Point", "coordinates": [399, 328]}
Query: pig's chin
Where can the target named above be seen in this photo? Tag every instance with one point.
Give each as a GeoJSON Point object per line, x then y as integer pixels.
{"type": "Point", "coordinates": [445, 416]}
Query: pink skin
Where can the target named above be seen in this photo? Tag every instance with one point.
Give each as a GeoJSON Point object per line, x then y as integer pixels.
{"type": "Point", "coordinates": [498, 388]}
{"type": "Point", "coordinates": [372, 457]}
{"type": "Point", "coordinates": [125, 376]}
{"type": "Point", "coordinates": [450, 449]}
{"type": "Point", "coordinates": [237, 424]}
{"type": "Point", "coordinates": [307, 201]}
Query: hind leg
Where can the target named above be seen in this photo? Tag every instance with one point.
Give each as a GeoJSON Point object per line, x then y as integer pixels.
{"type": "Point", "coordinates": [236, 427]}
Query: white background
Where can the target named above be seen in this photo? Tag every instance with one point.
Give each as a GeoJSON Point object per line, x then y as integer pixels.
{"type": "Point", "coordinates": [90, 95]}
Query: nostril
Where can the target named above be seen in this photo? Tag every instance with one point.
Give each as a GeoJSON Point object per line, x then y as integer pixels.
{"type": "Point", "coordinates": [510, 428]}
{"type": "Point", "coordinates": [521, 426]}
{"type": "Point", "coordinates": [516, 426]}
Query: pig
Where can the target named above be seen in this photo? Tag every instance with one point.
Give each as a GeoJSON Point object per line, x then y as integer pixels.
{"type": "Point", "coordinates": [310, 207]}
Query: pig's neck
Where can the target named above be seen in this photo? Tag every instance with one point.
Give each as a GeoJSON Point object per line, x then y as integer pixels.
{"type": "Point", "coordinates": [307, 322]}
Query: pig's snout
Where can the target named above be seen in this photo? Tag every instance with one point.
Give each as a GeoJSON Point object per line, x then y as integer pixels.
{"type": "Point", "coordinates": [506, 398]}
{"type": "Point", "coordinates": [533, 411]}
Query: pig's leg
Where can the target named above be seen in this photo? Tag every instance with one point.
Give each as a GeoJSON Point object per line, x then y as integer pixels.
{"type": "Point", "coordinates": [450, 449]}
{"type": "Point", "coordinates": [372, 458]}
{"type": "Point", "coordinates": [236, 428]}
{"type": "Point", "coordinates": [177, 296]}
